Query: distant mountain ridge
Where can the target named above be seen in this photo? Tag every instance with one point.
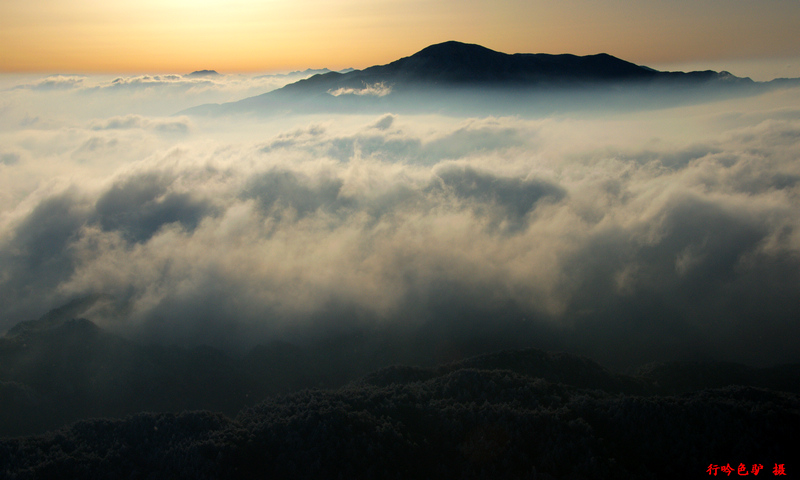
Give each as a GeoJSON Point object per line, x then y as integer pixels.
{"type": "Point", "coordinates": [61, 368]}
{"type": "Point", "coordinates": [203, 73]}
{"type": "Point", "coordinates": [455, 63]}
{"type": "Point", "coordinates": [453, 72]}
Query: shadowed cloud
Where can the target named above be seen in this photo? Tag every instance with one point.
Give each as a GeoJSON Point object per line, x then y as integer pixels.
{"type": "Point", "coordinates": [630, 237]}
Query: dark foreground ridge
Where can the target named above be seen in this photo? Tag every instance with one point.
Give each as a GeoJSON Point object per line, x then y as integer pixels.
{"type": "Point", "coordinates": [459, 77]}
{"type": "Point", "coordinates": [60, 369]}
{"type": "Point", "coordinates": [468, 423]}
{"type": "Point", "coordinates": [512, 414]}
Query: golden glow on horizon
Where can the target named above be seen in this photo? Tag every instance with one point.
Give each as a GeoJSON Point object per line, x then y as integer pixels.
{"type": "Point", "coordinates": [258, 35]}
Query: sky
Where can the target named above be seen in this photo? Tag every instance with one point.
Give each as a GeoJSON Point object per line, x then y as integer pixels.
{"type": "Point", "coordinates": [753, 37]}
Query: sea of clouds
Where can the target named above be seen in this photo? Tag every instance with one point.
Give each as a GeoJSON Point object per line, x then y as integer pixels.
{"type": "Point", "coordinates": [629, 236]}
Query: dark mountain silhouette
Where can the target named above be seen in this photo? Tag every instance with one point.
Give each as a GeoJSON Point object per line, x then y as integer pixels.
{"type": "Point", "coordinates": [63, 371]}
{"type": "Point", "coordinates": [202, 73]}
{"type": "Point", "coordinates": [59, 369]}
{"type": "Point", "coordinates": [462, 423]}
{"type": "Point", "coordinates": [458, 64]}
{"type": "Point", "coordinates": [454, 76]}
{"type": "Point", "coordinates": [454, 63]}
{"type": "Point", "coordinates": [56, 317]}
{"type": "Point", "coordinates": [682, 377]}
{"type": "Point", "coordinates": [561, 368]}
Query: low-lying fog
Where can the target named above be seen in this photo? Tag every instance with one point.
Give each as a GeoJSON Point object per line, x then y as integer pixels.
{"type": "Point", "coordinates": [650, 235]}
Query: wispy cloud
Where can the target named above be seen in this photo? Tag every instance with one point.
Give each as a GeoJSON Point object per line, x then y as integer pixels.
{"type": "Point", "coordinates": [376, 90]}
{"type": "Point", "coordinates": [54, 82]}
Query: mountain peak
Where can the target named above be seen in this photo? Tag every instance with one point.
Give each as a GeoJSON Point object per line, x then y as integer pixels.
{"type": "Point", "coordinates": [203, 73]}
{"type": "Point", "coordinates": [455, 49]}
{"type": "Point", "coordinates": [434, 77]}
{"type": "Point", "coordinates": [69, 313]}
{"type": "Point", "coordinates": [465, 63]}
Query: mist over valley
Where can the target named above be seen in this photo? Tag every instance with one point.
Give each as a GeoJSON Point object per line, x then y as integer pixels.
{"type": "Point", "coordinates": [208, 241]}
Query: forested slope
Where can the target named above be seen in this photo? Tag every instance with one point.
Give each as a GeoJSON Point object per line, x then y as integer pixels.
{"type": "Point", "coordinates": [454, 422]}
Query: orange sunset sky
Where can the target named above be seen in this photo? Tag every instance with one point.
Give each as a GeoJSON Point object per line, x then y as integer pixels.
{"type": "Point", "coordinates": [270, 35]}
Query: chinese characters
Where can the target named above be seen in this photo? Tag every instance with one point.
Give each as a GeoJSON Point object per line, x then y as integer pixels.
{"type": "Point", "coordinates": [741, 470]}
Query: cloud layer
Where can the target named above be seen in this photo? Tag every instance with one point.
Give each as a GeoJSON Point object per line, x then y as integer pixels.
{"type": "Point", "coordinates": [378, 90]}
{"type": "Point", "coordinates": [39, 100]}
{"type": "Point", "coordinates": [630, 237]}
